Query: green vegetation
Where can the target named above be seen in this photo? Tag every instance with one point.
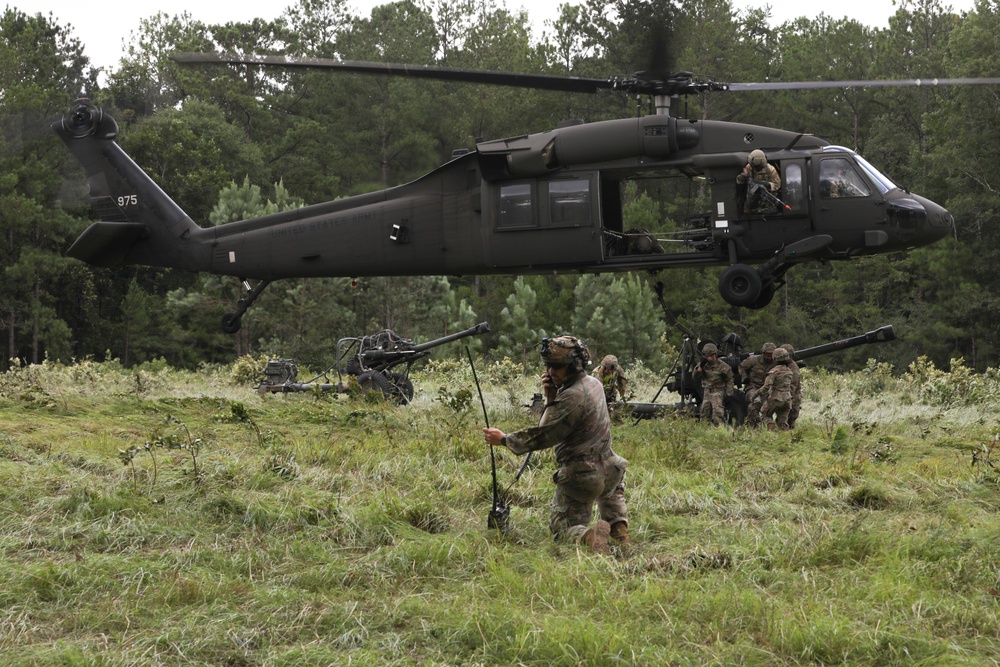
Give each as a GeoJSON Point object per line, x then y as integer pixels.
{"type": "Point", "coordinates": [161, 517]}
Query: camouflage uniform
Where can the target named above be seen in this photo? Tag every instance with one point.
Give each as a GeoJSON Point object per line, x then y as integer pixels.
{"type": "Point", "coordinates": [760, 170]}
{"type": "Point", "coordinates": [777, 392]}
{"type": "Point", "coordinates": [754, 370]}
{"type": "Point", "coordinates": [793, 414]}
{"type": "Point", "coordinates": [612, 376]}
{"type": "Point", "coordinates": [577, 427]}
{"type": "Point", "coordinates": [716, 384]}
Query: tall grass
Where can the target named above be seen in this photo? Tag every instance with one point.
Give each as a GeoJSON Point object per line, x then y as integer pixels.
{"type": "Point", "coordinates": [325, 530]}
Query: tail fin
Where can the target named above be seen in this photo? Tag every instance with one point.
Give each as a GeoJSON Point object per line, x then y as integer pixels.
{"type": "Point", "coordinates": [139, 223]}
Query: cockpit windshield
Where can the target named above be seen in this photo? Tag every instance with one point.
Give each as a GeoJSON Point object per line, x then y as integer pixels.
{"type": "Point", "coordinates": [880, 180]}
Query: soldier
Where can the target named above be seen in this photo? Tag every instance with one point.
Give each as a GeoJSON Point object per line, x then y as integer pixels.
{"type": "Point", "coordinates": [716, 384]}
{"type": "Point", "coordinates": [753, 371]}
{"type": "Point", "coordinates": [758, 169]}
{"type": "Point", "coordinates": [575, 423]}
{"type": "Point", "coordinates": [793, 414]}
{"type": "Point", "coordinates": [777, 392]}
{"type": "Point", "coordinates": [612, 376]}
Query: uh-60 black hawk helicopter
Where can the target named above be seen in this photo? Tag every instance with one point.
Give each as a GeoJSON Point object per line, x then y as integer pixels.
{"type": "Point", "coordinates": [539, 203]}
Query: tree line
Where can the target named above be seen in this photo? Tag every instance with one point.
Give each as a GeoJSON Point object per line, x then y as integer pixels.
{"type": "Point", "coordinates": [229, 143]}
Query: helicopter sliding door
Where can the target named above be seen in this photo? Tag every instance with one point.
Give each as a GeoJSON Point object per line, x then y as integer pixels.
{"type": "Point", "coordinates": [537, 224]}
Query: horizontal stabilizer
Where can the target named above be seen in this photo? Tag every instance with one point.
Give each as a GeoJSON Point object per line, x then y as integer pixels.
{"type": "Point", "coordinates": [106, 244]}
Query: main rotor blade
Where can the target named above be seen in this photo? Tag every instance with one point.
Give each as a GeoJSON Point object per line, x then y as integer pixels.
{"type": "Point", "coordinates": [875, 83]}
{"type": "Point", "coordinates": [570, 84]}
{"type": "Point", "coordinates": [650, 82]}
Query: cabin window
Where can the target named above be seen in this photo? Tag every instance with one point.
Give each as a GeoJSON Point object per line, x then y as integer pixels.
{"type": "Point", "coordinates": [793, 186]}
{"type": "Point", "coordinates": [838, 178]}
{"type": "Point", "coordinates": [516, 209]}
{"type": "Point", "coordinates": [569, 203]}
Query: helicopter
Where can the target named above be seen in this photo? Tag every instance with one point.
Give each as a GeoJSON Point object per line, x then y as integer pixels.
{"type": "Point", "coordinates": [546, 202]}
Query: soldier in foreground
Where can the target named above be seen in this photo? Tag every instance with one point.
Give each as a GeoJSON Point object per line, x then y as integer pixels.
{"type": "Point", "coordinates": [754, 370]}
{"type": "Point", "coordinates": [575, 423]}
{"type": "Point", "coordinates": [777, 392]}
{"type": "Point", "coordinates": [716, 384]}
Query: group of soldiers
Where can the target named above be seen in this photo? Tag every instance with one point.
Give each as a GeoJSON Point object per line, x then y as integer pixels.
{"type": "Point", "coordinates": [771, 382]}
{"type": "Point", "coordinates": [576, 424]}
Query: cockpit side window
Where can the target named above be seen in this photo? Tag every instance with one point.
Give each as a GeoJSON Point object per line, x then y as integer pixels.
{"type": "Point", "coordinates": [839, 178]}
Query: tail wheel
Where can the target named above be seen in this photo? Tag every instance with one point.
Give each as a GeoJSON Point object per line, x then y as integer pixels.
{"type": "Point", "coordinates": [740, 285]}
{"type": "Point", "coordinates": [231, 323]}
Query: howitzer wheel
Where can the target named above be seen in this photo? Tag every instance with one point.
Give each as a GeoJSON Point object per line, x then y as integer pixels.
{"type": "Point", "coordinates": [402, 388]}
{"type": "Point", "coordinates": [736, 408]}
{"type": "Point", "coordinates": [371, 381]}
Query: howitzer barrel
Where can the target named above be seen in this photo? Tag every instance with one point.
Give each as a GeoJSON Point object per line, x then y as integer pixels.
{"type": "Point", "coordinates": [880, 335]}
{"type": "Point", "coordinates": [481, 328]}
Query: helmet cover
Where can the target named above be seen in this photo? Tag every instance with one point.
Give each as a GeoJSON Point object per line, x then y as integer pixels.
{"type": "Point", "coordinates": [564, 351]}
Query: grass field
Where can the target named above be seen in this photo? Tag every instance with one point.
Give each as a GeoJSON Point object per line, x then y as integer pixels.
{"type": "Point", "coordinates": [154, 517]}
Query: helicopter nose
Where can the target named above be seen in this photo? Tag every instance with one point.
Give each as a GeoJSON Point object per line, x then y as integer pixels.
{"type": "Point", "coordinates": [940, 223]}
{"type": "Point", "coordinates": [918, 221]}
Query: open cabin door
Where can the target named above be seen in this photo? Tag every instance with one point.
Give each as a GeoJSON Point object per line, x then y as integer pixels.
{"type": "Point", "coordinates": [541, 223]}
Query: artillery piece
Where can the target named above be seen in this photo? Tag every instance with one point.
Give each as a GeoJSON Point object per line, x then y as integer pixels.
{"type": "Point", "coordinates": [373, 360]}
{"type": "Point", "coordinates": [681, 379]}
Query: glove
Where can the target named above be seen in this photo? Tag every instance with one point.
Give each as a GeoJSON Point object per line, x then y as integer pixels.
{"type": "Point", "coordinates": [741, 179]}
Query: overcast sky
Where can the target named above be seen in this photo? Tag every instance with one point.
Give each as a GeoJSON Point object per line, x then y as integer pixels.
{"type": "Point", "coordinates": [104, 27]}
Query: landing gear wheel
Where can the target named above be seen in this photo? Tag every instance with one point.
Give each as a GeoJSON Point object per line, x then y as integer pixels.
{"type": "Point", "coordinates": [766, 294]}
{"type": "Point", "coordinates": [402, 388]}
{"type": "Point", "coordinates": [371, 381]}
{"type": "Point", "coordinates": [231, 323]}
{"type": "Point", "coordinates": [740, 285]}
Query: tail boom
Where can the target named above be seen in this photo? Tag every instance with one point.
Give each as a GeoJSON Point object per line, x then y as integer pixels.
{"type": "Point", "coordinates": [139, 223]}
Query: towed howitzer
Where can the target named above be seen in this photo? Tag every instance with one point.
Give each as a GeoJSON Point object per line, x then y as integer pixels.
{"type": "Point", "coordinates": [681, 379]}
{"type": "Point", "coordinates": [374, 361]}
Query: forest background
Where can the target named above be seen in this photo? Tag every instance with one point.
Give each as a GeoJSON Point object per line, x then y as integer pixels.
{"type": "Point", "coordinates": [237, 143]}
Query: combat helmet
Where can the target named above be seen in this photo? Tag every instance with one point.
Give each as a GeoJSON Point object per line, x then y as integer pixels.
{"type": "Point", "coordinates": [757, 159]}
{"type": "Point", "coordinates": [710, 348]}
{"type": "Point", "coordinates": [609, 362]}
{"type": "Point", "coordinates": [565, 351]}
{"type": "Point", "coordinates": [767, 348]}
{"type": "Point", "coordinates": [781, 356]}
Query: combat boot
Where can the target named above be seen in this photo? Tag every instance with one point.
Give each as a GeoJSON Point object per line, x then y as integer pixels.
{"type": "Point", "coordinates": [597, 537]}
{"type": "Point", "coordinates": [619, 532]}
